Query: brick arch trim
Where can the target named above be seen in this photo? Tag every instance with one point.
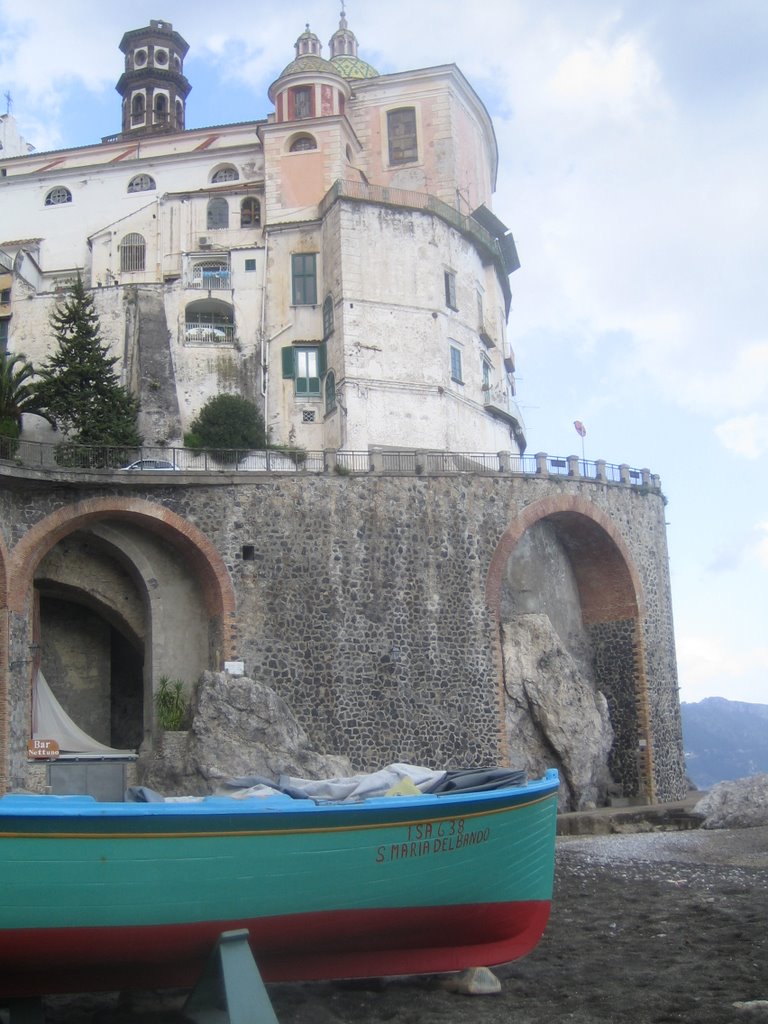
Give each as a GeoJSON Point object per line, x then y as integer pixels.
{"type": "Point", "coordinates": [606, 576]}
{"type": "Point", "coordinates": [3, 572]}
{"type": "Point", "coordinates": [201, 555]}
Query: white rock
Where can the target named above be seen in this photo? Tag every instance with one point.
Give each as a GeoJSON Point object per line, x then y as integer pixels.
{"type": "Point", "coordinates": [742, 803]}
{"type": "Point", "coordinates": [475, 981]}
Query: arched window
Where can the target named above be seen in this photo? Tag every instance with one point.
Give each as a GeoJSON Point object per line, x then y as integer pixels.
{"type": "Point", "coordinates": [132, 253]}
{"type": "Point", "coordinates": [327, 316]}
{"type": "Point", "coordinates": [250, 213]}
{"type": "Point", "coordinates": [211, 274]}
{"type": "Point", "coordinates": [209, 322]}
{"type": "Point", "coordinates": [225, 174]}
{"type": "Point", "coordinates": [137, 107]}
{"type": "Point", "coordinates": [58, 195]}
{"type": "Point", "coordinates": [161, 107]}
{"type": "Point", "coordinates": [179, 114]}
{"type": "Point", "coordinates": [141, 183]}
{"type": "Point", "coordinates": [330, 391]}
{"type": "Point", "coordinates": [303, 143]}
{"type": "Point", "coordinates": [301, 101]}
{"type": "Point", "coordinates": [218, 214]}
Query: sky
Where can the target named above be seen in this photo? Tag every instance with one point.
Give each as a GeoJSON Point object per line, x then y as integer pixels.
{"type": "Point", "coordinates": [633, 141]}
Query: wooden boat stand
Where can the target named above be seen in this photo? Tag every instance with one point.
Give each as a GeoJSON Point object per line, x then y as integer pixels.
{"type": "Point", "coordinates": [230, 990]}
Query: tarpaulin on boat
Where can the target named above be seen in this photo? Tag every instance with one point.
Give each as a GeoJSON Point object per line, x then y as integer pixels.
{"type": "Point", "coordinates": [51, 722]}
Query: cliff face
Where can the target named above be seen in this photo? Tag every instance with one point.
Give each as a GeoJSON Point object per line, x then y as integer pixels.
{"type": "Point", "coordinates": [555, 716]}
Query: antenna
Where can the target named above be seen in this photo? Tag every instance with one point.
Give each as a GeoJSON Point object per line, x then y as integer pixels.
{"type": "Point", "coordinates": [8, 101]}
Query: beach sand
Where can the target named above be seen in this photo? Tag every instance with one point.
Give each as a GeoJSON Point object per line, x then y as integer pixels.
{"type": "Point", "coordinates": [646, 928]}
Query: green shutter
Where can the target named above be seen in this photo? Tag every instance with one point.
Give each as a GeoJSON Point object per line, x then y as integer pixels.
{"type": "Point", "coordinates": [288, 364]}
{"type": "Point", "coordinates": [322, 359]}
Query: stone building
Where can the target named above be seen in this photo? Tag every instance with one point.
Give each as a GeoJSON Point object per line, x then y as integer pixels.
{"type": "Point", "coordinates": [336, 261]}
{"type": "Point", "coordinates": [408, 598]}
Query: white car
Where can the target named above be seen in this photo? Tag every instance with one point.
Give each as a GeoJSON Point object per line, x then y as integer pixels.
{"type": "Point", "coordinates": [162, 465]}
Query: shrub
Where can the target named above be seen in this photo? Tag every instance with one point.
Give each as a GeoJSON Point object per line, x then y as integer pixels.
{"type": "Point", "coordinates": [171, 706]}
{"type": "Point", "coordinates": [227, 425]}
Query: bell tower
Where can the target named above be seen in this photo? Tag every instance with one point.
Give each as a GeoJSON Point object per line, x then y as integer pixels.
{"type": "Point", "coordinates": [153, 87]}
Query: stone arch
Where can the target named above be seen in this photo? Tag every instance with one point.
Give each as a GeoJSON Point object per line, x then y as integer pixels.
{"type": "Point", "coordinates": [571, 512]}
{"type": "Point", "coordinates": [178, 540]}
{"type": "Point", "coordinates": [612, 608]}
{"type": "Point", "coordinates": [3, 572]}
{"type": "Point", "coordinates": [201, 555]}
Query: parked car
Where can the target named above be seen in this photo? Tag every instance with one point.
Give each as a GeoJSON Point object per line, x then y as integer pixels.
{"type": "Point", "coordinates": [152, 464]}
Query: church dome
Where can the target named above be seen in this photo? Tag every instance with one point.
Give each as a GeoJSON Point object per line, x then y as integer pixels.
{"type": "Point", "coordinates": [353, 67]}
{"type": "Point", "coordinates": [309, 62]}
{"type": "Point", "coordinates": [344, 53]}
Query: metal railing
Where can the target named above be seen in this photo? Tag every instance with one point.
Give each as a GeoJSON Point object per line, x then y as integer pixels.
{"type": "Point", "coordinates": [198, 332]}
{"type": "Point", "coordinates": [204, 279]}
{"type": "Point", "coordinates": [72, 458]}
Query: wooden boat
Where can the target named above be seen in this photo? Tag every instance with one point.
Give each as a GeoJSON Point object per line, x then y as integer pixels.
{"type": "Point", "coordinates": [106, 896]}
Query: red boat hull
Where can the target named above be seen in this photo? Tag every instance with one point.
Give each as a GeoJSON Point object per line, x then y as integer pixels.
{"type": "Point", "coordinates": [320, 946]}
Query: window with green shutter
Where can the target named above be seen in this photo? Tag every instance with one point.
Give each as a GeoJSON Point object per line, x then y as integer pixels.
{"type": "Point", "coordinates": [328, 316]}
{"type": "Point", "coordinates": [304, 278]}
{"type": "Point", "coordinates": [305, 364]}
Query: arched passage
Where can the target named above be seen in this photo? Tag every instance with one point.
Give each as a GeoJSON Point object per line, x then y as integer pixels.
{"type": "Point", "coordinates": [562, 587]}
{"type": "Point", "coordinates": [111, 595]}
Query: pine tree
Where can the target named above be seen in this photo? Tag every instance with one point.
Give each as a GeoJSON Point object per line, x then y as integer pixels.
{"type": "Point", "coordinates": [79, 387]}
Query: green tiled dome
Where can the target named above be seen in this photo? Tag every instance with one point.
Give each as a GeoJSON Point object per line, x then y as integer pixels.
{"type": "Point", "coordinates": [353, 67]}
{"type": "Point", "coordinates": [309, 62]}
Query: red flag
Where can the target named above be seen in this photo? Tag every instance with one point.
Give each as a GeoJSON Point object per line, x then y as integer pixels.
{"type": "Point", "coordinates": [581, 430]}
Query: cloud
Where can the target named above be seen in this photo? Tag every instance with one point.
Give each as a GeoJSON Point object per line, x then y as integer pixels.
{"type": "Point", "coordinates": [746, 436]}
{"type": "Point", "coordinates": [711, 664]}
{"type": "Point", "coordinates": [607, 79]}
{"type": "Point", "coordinates": [761, 548]}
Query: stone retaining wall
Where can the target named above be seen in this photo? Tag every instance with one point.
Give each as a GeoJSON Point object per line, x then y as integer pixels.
{"type": "Point", "coordinates": [363, 600]}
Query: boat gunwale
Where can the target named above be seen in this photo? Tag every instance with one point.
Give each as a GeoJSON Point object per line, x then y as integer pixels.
{"type": "Point", "coordinates": [272, 812]}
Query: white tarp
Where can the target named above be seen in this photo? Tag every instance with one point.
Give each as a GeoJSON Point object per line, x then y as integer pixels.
{"type": "Point", "coordinates": [51, 722]}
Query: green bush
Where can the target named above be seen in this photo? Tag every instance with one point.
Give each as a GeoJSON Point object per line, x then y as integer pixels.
{"type": "Point", "coordinates": [226, 426]}
{"type": "Point", "coordinates": [171, 706]}
{"type": "Point", "coordinates": [9, 437]}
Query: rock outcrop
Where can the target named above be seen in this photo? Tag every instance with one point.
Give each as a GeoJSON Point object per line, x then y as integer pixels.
{"type": "Point", "coordinates": [742, 803]}
{"type": "Point", "coordinates": [555, 717]}
{"type": "Point", "coordinates": [240, 727]}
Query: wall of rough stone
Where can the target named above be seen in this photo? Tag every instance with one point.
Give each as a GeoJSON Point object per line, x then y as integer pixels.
{"type": "Point", "coordinates": [361, 600]}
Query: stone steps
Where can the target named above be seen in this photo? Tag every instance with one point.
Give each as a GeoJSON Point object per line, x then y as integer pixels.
{"type": "Point", "coordinates": [672, 817]}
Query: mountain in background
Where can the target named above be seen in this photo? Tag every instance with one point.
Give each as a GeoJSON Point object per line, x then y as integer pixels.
{"type": "Point", "coordinates": [724, 739]}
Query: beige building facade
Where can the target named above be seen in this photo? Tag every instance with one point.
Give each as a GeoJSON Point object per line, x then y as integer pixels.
{"type": "Point", "coordinates": [337, 262]}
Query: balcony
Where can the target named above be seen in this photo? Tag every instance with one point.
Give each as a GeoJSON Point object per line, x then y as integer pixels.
{"type": "Point", "coordinates": [497, 399]}
{"type": "Point", "coordinates": [201, 332]}
{"type": "Point", "coordinates": [208, 275]}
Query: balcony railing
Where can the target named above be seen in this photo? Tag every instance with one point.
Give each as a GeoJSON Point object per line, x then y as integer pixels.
{"type": "Point", "coordinates": [208, 277]}
{"type": "Point", "coordinates": [70, 458]}
{"type": "Point", "coordinates": [203, 333]}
